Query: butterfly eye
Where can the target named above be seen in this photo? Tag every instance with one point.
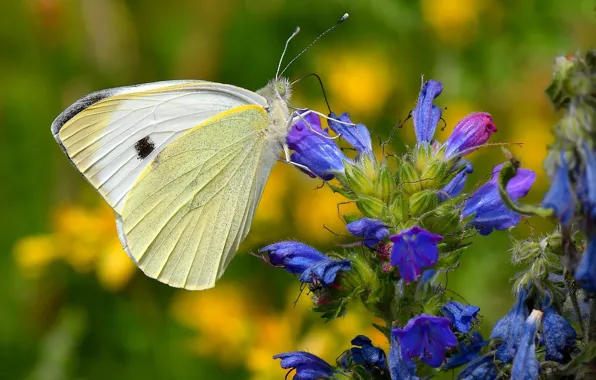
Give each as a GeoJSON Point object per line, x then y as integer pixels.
{"type": "Point", "coordinates": [281, 88]}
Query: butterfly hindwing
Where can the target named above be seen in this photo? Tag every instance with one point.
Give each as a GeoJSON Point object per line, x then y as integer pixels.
{"type": "Point", "coordinates": [192, 206]}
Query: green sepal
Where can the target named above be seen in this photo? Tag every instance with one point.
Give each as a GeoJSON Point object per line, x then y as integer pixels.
{"type": "Point", "coordinates": [409, 180]}
{"type": "Point", "coordinates": [422, 202]}
{"type": "Point", "coordinates": [370, 206]}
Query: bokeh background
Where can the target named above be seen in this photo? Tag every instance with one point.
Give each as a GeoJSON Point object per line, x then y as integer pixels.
{"type": "Point", "coordinates": [73, 306]}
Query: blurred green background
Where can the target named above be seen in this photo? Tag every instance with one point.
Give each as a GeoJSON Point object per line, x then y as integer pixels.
{"type": "Point", "coordinates": [72, 305]}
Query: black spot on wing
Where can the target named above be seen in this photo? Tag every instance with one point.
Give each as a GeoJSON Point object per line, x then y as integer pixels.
{"type": "Point", "coordinates": [144, 147]}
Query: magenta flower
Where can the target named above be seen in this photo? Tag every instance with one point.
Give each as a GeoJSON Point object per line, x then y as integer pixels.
{"type": "Point", "coordinates": [414, 249]}
{"type": "Point", "coordinates": [471, 132]}
{"type": "Point", "coordinates": [426, 337]}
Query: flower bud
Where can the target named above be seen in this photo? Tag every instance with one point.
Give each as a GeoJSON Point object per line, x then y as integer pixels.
{"type": "Point", "coordinates": [356, 180]}
{"type": "Point", "coordinates": [409, 178]}
{"type": "Point", "coordinates": [370, 206]}
{"type": "Point", "coordinates": [399, 207]}
{"type": "Point", "coordinates": [469, 133]}
{"type": "Point", "coordinates": [433, 174]}
{"type": "Point", "coordinates": [385, 184]}
{"type": "Point", "coordinates": [422, 202]}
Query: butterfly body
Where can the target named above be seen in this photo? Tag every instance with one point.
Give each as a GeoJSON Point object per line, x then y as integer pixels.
{"type": "Point", "coordinates": [183, 164]}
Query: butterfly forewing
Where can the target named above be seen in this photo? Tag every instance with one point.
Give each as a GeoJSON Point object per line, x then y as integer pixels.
{"type": "Point", "coordinates": [112, 135]}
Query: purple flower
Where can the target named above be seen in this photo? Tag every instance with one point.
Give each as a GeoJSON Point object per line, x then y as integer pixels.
{"type": "Point", "coordinates": [307, 365]}
{"type": "Point", "coordinates": [414, 249]}
{"type": "Point", "coordinates": [300, 259]}
{"type": "Point", "coordinates": [560, 196]}
{"type": "Point", "coordinates": [400, 367]}
{"type": "Point", "coordinates": [367, 355]}
{"type": "Point", "coordinates": [426, 115]}
{"type": "Point", "coordinates": [557, 334]}
{"type": "Point", "coordinates": [311, 149]}
{"type": "Point", "coordinates": [462, 316]}
{"type": "Point", "coordinates": [585, 273]}
{"type": "Point", "coordinates": [482, 368]}
{"type": "Point", "coordinates": [456, 185]}
{"type": "Point", "coordinates": [470, 132]}
{"type": "Point", "coordinates": [525, 364]}
{"type": "Point", "coordinates": [426, 337]}
{"type": "Point", "coordinates": [371, 230]}
{"type": "Point", "coordinates": [356, 135]}
{"type": "Point", "coordinates": [509, 329]}
{"type": "Point", "coordinates": [467, 351]}
{"type": "Point", "coordinates": [489, 210]}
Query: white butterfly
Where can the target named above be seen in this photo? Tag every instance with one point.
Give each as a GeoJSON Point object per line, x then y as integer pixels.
{"type": "Point", "coordinates": [183, 164]}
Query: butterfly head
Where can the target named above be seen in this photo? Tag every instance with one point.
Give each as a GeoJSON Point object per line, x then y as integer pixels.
{"type": "Point", "coordinates": [278, 89]}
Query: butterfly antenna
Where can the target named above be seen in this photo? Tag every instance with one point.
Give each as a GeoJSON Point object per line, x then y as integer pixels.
{"type": "Point", "coordinates": [284, 52]}
{"type": "Point", "coordinates": [342, 19]}
{"type": "Point", "coordinates": [320, 83]}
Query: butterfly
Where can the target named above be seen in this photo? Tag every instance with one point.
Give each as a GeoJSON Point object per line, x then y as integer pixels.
{"type": "Point", "coordinates": [183, 164]}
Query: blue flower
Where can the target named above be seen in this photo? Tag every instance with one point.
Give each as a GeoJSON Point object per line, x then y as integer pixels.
{"type": "Point", "coordinates": [307, 365]}
{"type": "Point", "coordinates": [467, 351]}
{"type": "Point", "coordinates": [294, 256]}
{"type": "Point", "coordinates": [560, 196]}
{"type": "Point", "coordinates": [300, 259]}
{"type": "Point", "coordinates": [426, 337]}
{"type": "Point", "coordinates": [509, 329]}
{"type": "Point", "coordinates": [414, 249]}
{"type": "Point", "coordinates": [371, 230]}
{"type": "Point", "coordinates": [325, 272]}
{"type": "Point", "coordinates": [368, 355]}
{"type": "Point", "coordinates": [356, 135]}
{"type": "Point", "coordinates": [525, 364]}
{"type": "Point", "coordinates": [489, 210]}
{"type": "Point", "coordinates": [400, 367]}
{"type": "Point", "coordinates": [482, 368]}
{"type": "Point", "coordinates": [313, 150]}
{"type": "Point", "coordinates": [462, 316]}
{"type": "Point", "coordinates": [426, 115]}
{"type": "Point", "coordinates": [469, 133]}
{"type": "Point", "coordinates": [557, 334]}
{"type": "Point", "coordinates": [587, 185]}
{"type": "Point", "coordinates": [456, 185]}
{"type": "Point", "coordinates": [585, 273]}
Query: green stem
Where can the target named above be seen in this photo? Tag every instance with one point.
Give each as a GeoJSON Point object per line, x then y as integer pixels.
{"type": "Point", "coordinates": [592, 322]}
{"type": "Point", "coordinates": [573, 297]}
{"type": "Point", "coordinates": [508, 171]}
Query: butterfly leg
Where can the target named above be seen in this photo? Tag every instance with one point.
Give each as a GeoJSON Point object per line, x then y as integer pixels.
{"type": "Point", "coordinates": [288, 160]}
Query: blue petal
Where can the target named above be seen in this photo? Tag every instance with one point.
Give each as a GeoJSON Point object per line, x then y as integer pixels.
{"type": "Point", "coordinates": [294, 256]}
{"type": "Point", "coordinates": [557, 334]}
{"type": "Point", "coordinates": [356, 135]}
{"type": "Point", "coordinates": [510, 328]}
{"type": "Point", "coordinates": [525, 364]}
{"type": "Point", "coordinates": [400, 367]}
{"type": "Point", "coordinates": [325, 272]}
{"type": "Point", "coordinates": [560, 196]}
{"type": "Point", "coordinates": [412, 250]}
{"type": "Point", "coordinates": [585, 273]}
{"type": "Point", "coordinates": [462, 316]}
{"type": "Point", "coordinates": [372, 230]}
{"type": "Point", "coordinates": [426, 115]}
{"type": "Point", "coordinates": [482, 368]}
{"type": "Point", "coordinates": [456, 185]}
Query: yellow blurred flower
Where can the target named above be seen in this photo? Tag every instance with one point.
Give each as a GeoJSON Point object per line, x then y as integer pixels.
{"type": "Point", "coordinates": [318, 209]}
{"type": "Point", "coordinates": [534, 133]}
{"type": "Point", "coordinates": [85, 239]}
{"type": "Point", "coordinates": [453, 20]}
{"type": "Point", "coordinates": [237, 328]}
{"type": "Point", "coordinates": [359, 82]}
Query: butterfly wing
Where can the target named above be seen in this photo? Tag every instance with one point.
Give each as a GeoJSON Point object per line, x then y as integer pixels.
{"type": "Point", "coordinates": [183, 164]}
{"type": "Point", "coordinates": [190, 209]}
{"type": "Point", "coordinates": [112, 135]}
